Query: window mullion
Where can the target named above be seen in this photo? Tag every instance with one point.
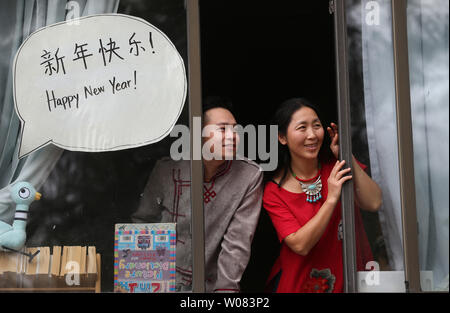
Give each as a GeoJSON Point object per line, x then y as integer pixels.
{"type": "Point", "coordinates": [195, 105]}
{"type": "Point", "coordinates": [345, 145]}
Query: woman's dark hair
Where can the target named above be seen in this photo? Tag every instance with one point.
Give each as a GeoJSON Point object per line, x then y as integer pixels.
{"type": "Point", "coordinates": [282, 119]}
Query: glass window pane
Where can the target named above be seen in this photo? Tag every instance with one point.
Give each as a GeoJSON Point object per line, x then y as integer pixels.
{"type": "Point", "coordinates": [374, 140]}
{"type": "Point", "coordinates": [428, 60]}
{"type": "Point", "coordinates": [87, 194]}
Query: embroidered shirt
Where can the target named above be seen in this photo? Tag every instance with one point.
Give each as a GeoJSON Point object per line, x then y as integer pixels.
{"type": "Point", "coordinates": [232, 203]}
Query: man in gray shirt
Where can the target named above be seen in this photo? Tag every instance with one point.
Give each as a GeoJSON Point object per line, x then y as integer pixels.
{"type": "Point", "coordinates": [232, 203]}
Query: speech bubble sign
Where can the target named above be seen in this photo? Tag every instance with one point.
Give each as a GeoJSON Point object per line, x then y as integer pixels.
{"type": "Point", "coordinates": [108, 82]}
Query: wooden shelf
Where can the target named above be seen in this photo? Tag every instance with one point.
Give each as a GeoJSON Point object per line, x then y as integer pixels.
{"type": "Point", "coordinates": [56, 269]}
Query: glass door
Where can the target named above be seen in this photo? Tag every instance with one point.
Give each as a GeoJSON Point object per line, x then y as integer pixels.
{"type": "Point", "coordinates": [427, 23]}
{"type": "Point", "coordinates": [378, 107]}
{"type": "Point", "coordinates": [398, 110]}
{"type": "Point", "coordinates": [374, 140]}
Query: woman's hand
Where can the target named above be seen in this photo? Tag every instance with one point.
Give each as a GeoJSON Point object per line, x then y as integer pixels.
{"type": "Point", "coordinates": [367, 192]}
{"type": "Point", "coordinates": [335, 181]}
{"type": "Point", "coordinates": [307, 236]}
{"type": "Point", "coordinates": [334, 146]}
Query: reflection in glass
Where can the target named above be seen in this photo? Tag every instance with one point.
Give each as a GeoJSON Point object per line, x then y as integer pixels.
{"type": "Point", "coordinates": [373, 120]}
{"type": "Point", "coordinates": [429, 79]}
{"type": "Point", "coordinates": [86, 194]}
{"type": "Point", "coordinates": [48, 221]}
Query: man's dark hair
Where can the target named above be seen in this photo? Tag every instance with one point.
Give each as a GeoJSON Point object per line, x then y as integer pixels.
{"type": "Point", "coordinates": [211, 102]}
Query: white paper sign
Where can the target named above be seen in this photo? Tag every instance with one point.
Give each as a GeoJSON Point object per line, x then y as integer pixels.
{"type": "Point", "coordinates": [108, 82]}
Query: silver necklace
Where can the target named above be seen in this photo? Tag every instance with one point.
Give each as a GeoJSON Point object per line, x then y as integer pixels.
{"type": "Point", "coordinates": [312, 190]}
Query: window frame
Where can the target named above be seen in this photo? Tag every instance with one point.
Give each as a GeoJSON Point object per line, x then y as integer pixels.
{"type": "Point", "coordinates": [405, 146]}
{"type": "Point", "coordinates": [404, 136]}
{"type": "Point", "coordinates": [195, 111]}
{"type": "Point", "coordinates": [345, 144]}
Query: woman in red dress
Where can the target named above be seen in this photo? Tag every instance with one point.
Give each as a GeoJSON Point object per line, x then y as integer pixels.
{"type": "Point", "coordinates": [303, 202]}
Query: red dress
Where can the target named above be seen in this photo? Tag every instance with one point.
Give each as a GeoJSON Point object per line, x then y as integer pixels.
{"type": "Point", "coordinates": [321, 270]}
